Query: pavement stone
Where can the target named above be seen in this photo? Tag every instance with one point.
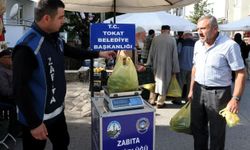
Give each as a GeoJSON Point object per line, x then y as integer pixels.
{"type": "Point", "coordinates": [77, 110]}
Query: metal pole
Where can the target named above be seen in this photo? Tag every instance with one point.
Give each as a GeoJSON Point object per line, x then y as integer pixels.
{"type": "Point", "coordinates": [92, 76]}
{"type": "Point", "coordinates": [102, 17]}
{"type": "Point", "coordinates": [114, 13]}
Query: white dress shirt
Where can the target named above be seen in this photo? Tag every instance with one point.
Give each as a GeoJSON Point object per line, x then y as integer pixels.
{"type": "Point", "coordinates": [214, 65]}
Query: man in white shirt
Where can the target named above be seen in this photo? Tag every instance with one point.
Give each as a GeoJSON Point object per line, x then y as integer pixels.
{"type": "Point", "coordinates": [215, 57]}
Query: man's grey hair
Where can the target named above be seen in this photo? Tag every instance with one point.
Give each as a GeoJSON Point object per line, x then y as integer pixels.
{"type": "Point", "coordinates": [212, 20]}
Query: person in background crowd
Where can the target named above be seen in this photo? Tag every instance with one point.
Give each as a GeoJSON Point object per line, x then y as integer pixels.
{"type": "Point", "coordinates": [179, 40]}
{"type": "Point", "coordinates": [39, 80]}
{"type": "Point", "coordinates": [163, 58]}
{"type": "Point", "coordinates": [139, 38]}
{"type": "Point", "coordinates": [215, 56]}
{"type": "Point", "coordinates": [6, 90]}
{"type": "Point", "coordinates": [186, 62]}
{"type": "Point", "coordinates": [248, 60]}
{"type": "Point", "coordinates": [243, 47]}
{"type": "Point", "coordinates": [147, 44]}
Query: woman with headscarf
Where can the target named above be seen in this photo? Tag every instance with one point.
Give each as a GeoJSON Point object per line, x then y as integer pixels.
{"type": "Point", "coordinates": [243, 46]}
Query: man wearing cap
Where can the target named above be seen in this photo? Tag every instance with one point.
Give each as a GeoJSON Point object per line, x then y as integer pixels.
{"type": "Point", "coordinates": [163, 57]}
{"type": "Point", "coordinates": [6, 88]}
{"type": "Point", "coordinates": [5, 75]}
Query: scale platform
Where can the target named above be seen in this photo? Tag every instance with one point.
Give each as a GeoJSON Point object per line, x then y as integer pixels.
{"type": "Point", "coordinates": [123, 100]}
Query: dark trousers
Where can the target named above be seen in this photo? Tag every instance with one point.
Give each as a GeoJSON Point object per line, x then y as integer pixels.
{"type": "Point", "coordinates": [57, 134]}
{"type": "Point", "coordinates": [8, 112]}
{"type": "Point", "coordinates": [205, 118]}
{"type": "Point", "coordinates": [144, 60]}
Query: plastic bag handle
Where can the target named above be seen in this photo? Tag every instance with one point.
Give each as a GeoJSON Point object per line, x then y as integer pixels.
{"type": "Point", "coordinates": [187, 104]}
{"type": "Point", "coordinates": [124, 61]}
{"type": "Point", "coordinates": [223, 112]}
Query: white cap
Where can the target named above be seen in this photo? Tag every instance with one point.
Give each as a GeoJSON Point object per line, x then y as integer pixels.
{"type": "Point", "coordinates": [140, 29]}
{"type": "Point", "coordinates": [187, 32]}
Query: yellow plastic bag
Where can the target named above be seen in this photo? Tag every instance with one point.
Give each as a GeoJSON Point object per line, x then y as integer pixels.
{"type": "Point", "coordinates": [124, 76]}
{"type": "Point", "coordinates": [149, 86]}
{"type": "Point", "coordinates": [181, 121]}
{"type": "Point", "coordinates": [174, 89]}
{"type": "Point", "coordinates": [232, 119]}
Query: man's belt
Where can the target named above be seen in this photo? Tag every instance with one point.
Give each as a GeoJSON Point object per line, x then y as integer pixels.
{"type": "Point", "coordinates": [212, 87]}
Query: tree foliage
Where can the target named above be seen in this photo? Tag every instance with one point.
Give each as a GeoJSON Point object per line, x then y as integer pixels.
{"type": "Point", "coordinates": [200, 9]}
{"type": "Point", "coordinates": [77, 26]}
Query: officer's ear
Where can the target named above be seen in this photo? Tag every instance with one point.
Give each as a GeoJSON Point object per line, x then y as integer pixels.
{"type": "Point", "coordinates": [46, 18]}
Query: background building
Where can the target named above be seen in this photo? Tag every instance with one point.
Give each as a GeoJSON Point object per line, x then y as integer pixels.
{"type": "Point", "coordinates": [15, 26]}
{"type": "Point", "coordinates": [237, 9]}
{"type": "Point", "coordinates": [227, 10]}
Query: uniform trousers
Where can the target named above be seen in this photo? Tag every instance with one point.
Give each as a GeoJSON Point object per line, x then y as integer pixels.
{"type": "Point", "coordinates": [205, 119]}
{"type": "Point", "coordinates": [57, 134]}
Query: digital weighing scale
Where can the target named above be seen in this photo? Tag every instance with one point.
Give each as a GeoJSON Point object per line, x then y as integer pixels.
{"type": "Point", "coordinates": [120, 130]}
{"type": "Point", "coordinates": [123, 100]}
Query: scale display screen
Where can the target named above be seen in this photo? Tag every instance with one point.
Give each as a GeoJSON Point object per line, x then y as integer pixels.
{"type": "Point", "coordinates": [123, 102]}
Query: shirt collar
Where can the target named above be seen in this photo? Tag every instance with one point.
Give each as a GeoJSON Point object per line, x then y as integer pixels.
{"type": "Point", "coordinates": [45, 34]}
{"type": "Point", "coordinates": [38, 29]}
{"type": "Point", "coordinates": [217, 38]}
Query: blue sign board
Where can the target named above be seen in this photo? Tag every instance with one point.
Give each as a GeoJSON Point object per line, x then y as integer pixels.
{"type": "Point", "coordinates": [104, 37]}
{"type": "Point", "coordinates": [128, 132]}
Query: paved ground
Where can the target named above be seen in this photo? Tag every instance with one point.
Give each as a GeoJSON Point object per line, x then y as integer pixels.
{"type": "Point", "coordinates": [79, 124]}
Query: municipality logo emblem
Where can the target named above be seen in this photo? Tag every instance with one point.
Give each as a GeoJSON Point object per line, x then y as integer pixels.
{"type": "Point", "coordinates": [142, 125]}
{"type": "Point", "coordinates": [114, 129]}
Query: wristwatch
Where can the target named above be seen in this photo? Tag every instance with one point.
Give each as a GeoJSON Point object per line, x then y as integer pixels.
{"type": "Point", "coordinates": [236, 98]}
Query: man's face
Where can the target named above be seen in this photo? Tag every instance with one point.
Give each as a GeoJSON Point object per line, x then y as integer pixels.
{"type": "Point", "coordinates": [6, 61]}
{"type": "Point", "coordinates": [57, 21]}
{"type": "Point", "coordinates": [206, 32]}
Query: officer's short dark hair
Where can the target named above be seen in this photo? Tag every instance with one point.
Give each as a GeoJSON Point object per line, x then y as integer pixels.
{"type": "Point", "coordinates": [165, 27]}
{"type": "Point", "coordinates": [47, 7]}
